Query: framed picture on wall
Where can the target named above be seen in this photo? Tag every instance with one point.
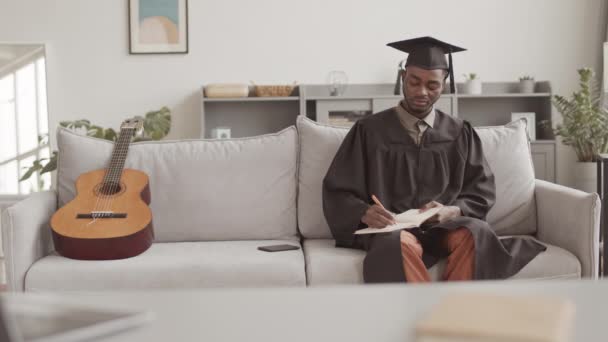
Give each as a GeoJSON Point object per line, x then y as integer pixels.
{"type": "Point", "coordinates": [158, 26]}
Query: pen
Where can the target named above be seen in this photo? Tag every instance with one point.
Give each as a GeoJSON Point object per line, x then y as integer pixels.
{"type": "Point", "coordinates": [375, 199]}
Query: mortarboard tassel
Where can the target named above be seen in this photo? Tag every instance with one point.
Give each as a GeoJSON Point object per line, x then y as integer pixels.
{"type": "Point", "coordinates": [451, 73]}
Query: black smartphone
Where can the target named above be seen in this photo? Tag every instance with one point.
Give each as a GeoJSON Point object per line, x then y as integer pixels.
{"type": "Point", "coordinates": [278, 248]}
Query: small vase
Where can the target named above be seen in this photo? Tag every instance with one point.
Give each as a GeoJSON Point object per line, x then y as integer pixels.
{"type": "Point", "coordinates": [472, 87]}
{"type": "Point", "coordinates": [526, 86]}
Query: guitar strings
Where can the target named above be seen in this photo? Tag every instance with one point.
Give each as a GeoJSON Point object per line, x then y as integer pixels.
{"type": "Point", "coordinates": [109, 175]}
{"type": "Point", "coordinates": [111, 180]}
{"type": "Point", "coordinates": [111, 184]}
{"type": "Point", "coordinates": [101, 192]}
{"type": "Point", "coordinates": [117, 167]}
{"type": "Point", "coordinates": [104, 182]}
{"type": "Point", "coordinates": [115, 183]}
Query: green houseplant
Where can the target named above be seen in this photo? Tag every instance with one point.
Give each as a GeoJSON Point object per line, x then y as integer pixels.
{"type": "Point", "coordinates": [584, 127]}
{"type": "Point", "coordinates": [157, 125]}
{"type": "Point", "coordinates": [470, 76]}
{"type": "Point", "coordinates": [585, 121]}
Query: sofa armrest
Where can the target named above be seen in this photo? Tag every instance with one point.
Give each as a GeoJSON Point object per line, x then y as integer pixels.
{"type": "Point", "coordinates": [570, 219]}
{"type": "Point", "coordinates": [26, 236]}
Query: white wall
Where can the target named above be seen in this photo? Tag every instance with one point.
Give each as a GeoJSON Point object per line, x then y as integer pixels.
{"type": "Point", "coordinates": [91, 75]}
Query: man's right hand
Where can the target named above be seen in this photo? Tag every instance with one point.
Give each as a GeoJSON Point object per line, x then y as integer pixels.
{"type": "Point", "coordinates": [377, 217]}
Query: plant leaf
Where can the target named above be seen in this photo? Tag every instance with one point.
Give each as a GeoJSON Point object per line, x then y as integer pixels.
{"type": "Point", "coordinates": [110, 134]}
{"type": "Point", "coordinates": [30, 171]}
{"type": "Point", "coordinates": [51, 165]}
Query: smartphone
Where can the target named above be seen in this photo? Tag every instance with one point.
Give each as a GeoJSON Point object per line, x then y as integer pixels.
{"type": "Point", "coordinates": [278, 248]}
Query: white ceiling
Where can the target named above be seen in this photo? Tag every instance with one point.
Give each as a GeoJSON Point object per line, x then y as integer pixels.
{"type": "Point", "coordinates": [11, 52]}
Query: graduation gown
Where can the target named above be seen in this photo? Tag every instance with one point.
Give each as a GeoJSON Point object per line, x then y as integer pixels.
{"type": "Point", "coordinates": [378, 157]}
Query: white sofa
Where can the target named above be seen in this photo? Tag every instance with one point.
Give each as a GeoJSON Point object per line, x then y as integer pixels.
{"type": "Point", "coordinates": [215, 201]}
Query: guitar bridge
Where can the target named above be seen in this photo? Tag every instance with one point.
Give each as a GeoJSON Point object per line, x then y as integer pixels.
{"type": "Point", "coordinates": [101, 214]}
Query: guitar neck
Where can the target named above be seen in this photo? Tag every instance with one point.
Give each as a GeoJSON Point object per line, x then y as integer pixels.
{"type": "Point", "coordinates": [119, 155]}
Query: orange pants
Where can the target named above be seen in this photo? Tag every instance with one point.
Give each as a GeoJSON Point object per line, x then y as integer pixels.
{"type": "Point", "coordinates": [460, 264]}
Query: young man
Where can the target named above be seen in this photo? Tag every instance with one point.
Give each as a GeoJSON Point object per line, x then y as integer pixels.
{"type": "Point", "coordinates": [415, 156]}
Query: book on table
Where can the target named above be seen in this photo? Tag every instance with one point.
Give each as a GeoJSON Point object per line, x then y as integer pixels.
{"type": "Point", "coordinates": [486, 317]}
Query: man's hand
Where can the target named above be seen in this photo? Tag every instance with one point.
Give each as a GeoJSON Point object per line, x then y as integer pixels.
{"type": "Point", "coordinates": [377, 217]}
{"type": "Point", "coordinates": [444, 214]}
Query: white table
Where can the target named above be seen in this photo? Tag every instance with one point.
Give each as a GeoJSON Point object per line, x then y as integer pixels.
{"type": "Point", "coordinates": [345, 313]}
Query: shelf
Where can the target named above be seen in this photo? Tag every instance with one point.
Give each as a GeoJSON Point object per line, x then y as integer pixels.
{"type": "Point", "coordinates": [249, 116]}
{"type": "Point", "coordinates": [362, 97]}
{"type": "Point", "coordinates": [345, 98]}
{"type": "Point", "coordinates": [251, 99]}
{"type": "Point", "coordinates": [458, 96]}
{"type": "Point", "coordinates": [355, 97]}
{"type": "Point", "coordinates": [481, 96]}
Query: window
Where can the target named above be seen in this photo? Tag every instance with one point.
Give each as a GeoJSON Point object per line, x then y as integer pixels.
{"type": "Point", "coordinates": [23, 127]}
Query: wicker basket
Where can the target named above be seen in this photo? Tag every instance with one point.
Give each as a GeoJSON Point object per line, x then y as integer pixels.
{"type": "Point", "coordinates": [273, 90]}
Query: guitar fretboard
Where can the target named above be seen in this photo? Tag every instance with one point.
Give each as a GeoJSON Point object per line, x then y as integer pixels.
{"type": "Point", "coordinates": [119, 155]}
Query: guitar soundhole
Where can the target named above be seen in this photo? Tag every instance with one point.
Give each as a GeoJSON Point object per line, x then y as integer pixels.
{"type": "Point", "coordinates": [109, 189]}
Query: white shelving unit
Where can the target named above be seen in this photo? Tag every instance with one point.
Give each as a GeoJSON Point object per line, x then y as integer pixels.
{"type": "Point", "coordinates": [249, 116]}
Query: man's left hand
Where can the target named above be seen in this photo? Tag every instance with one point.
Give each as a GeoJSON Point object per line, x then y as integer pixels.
{"type": "Point", "coordinates": [444, 214]}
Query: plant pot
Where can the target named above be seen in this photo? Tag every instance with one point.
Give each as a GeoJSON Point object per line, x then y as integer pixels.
{"type": "Point", "coordinates": [526, 86]}
{"type": "Point", "coordinates": [472, 87]}
{"type": "Point", "coordinates": [585, 176]}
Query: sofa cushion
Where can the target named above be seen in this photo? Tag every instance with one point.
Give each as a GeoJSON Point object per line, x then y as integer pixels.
{"type": "Point", "coordinates": [329, 265]}
{"type": "Point", "coordinates": [236, 189]}
{"type": "Point", "coordinates": [506, 149]}
{"type": "Point", "coordinates": [318, 146]}
{"type": "Point", "coordinates": [174, 265]}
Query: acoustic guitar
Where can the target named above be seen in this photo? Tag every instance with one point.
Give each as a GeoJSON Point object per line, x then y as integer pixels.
{"type": "Point", "coordinates": [109, 218]}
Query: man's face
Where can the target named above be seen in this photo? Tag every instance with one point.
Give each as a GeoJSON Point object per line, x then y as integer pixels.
{"type": "Point", "coordinates": [422, 88]}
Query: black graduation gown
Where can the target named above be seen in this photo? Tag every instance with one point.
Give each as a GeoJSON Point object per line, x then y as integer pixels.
{"type": "Point", "coordinates": [378, 157]}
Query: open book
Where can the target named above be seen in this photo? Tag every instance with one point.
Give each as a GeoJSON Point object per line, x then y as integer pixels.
{"type": "Point", "coordinates": [408, 219]}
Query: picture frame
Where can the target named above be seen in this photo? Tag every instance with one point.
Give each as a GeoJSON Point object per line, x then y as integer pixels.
{"type": "Point", "coordinates": [158, 26]}
{"type": "Point", "coordinates": [530, 117]}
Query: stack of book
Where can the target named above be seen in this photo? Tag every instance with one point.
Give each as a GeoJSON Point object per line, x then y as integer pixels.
{"type": "Point", "coordinates": [346, 118]}
{"type": "Point", "coordinates": [341, 121]}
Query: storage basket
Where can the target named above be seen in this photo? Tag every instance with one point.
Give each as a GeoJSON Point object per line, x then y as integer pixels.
{"type": "Point", "coordinates": [273, 90]}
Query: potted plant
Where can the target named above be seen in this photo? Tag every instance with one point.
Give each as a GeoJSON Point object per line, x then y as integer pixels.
{"type": "Point", "coordinates": [156, 126]}
{"type": "Point", "coordinates": [526, 84]}
{"type": "Point", "coordinates": [472, 84]}
{"type": "Point", "coordinates": [584, 127]}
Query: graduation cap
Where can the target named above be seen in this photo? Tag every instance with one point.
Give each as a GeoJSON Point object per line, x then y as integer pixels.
{"type": "Point", "coordinates": [428, 53]}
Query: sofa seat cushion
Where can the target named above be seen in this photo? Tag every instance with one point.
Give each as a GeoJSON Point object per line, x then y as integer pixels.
{"type": "Point", "coordinates": [328, 265]}
{"type": "Point", "coordinates": [174, 265]}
